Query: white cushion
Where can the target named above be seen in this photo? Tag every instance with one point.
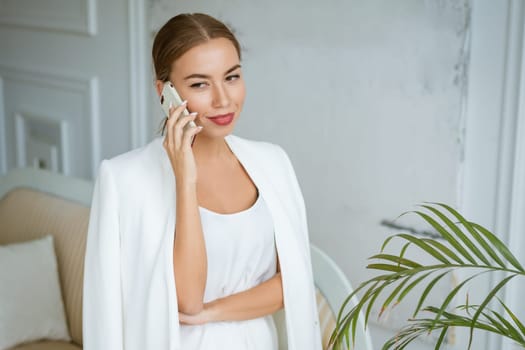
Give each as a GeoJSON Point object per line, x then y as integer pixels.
{"type": "Point", "coordinates": [31, 306]}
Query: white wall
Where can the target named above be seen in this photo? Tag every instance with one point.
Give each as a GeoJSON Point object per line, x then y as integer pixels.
{"type": "Point", "coordinates": [366, 98]}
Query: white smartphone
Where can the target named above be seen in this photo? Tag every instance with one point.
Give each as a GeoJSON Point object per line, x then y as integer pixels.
{"type": "Point", "coordinates": [169, 94]}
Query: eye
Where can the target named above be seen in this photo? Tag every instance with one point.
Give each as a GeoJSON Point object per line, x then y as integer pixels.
{"type": "Point", "coordinates": [198, 85]}
{"type": "Point", "coordinates": [233, 77]}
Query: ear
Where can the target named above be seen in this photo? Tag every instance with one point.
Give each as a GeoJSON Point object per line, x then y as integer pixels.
{"type": "Point", "coordinates": [159, 84]}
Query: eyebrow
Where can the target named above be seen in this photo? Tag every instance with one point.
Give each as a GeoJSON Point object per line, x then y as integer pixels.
{"type": "Point", "coordinates": [204, 76]}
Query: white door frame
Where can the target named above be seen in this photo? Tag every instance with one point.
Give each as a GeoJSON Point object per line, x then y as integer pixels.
{"type": "Point", "coordinates": [493, 179]}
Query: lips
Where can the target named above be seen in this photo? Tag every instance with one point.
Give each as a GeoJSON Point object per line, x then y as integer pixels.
{"type": "Point", "coordinates": [222, 119]}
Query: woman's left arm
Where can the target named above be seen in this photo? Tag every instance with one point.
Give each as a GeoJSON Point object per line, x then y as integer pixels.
{"type": "Point", "coordinates": [261, 300]}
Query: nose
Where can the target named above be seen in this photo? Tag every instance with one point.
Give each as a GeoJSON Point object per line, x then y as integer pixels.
{"type": "Point", "coordinates": [221, 99]}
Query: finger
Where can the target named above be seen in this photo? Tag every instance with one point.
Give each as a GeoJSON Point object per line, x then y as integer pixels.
{"type": "Point", "coordinates": [176, 110]}
{"type": "Point", "coordinates": [166, 143]}
{"type": "Point", "coordinates": [178, 129]}
{"type": "Point", "coordinates": [189, 134]}
{"type": "Point", "coordinates": [169, 125]}
{"type": "Point", "coordinates": [187, 319]}
{"type": "Point", "coordinates": [174, 115]}
{"type": "Point", "coordinates": [182, 318]}
{"type": "Point", "coordinates": [185, 120]}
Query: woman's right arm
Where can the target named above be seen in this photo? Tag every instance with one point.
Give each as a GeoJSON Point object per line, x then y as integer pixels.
{"type": "Point", "coordinates": [189, 251]}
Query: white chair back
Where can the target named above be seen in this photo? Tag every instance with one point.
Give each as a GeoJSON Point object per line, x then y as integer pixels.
{"type": "Point", "coordinates": [334, 287]}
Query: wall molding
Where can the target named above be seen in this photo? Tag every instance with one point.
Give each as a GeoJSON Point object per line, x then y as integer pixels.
{"type": "Point", "coordinates": [139, 82]}
{"type": "Point", "coordinates": [3, 142]}
{"type": "Point", "coordinates": [96, 153]}
{"type": "Point", "coordinates": [86, 87]}
{"type": "Point", "coordinates": [78, 17]}
{"type": "Point", "coordinates": [22, 119]}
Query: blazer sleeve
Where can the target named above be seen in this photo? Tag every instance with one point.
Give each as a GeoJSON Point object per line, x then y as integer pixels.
{"type": "Point", "coordinates": [102, 304]}
{"type": "Point", "coordinates": [303, 227]}
{"type": "Point", "coordinates": [297, 198]}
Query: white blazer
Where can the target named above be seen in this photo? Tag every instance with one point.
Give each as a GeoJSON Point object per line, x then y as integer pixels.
{"type": "Point", "coordinates": [129, 300]}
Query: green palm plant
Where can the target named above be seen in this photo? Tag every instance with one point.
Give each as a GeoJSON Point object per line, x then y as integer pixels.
{"type": "Point", "coordinates": [467, 246]}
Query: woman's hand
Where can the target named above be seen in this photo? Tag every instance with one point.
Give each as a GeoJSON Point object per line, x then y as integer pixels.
{"type": "Point", "coordinates": [177, 143]}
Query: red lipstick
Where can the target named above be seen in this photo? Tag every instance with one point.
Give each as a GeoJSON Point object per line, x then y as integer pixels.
{"type": "Point", "coordinates": [222, 119]}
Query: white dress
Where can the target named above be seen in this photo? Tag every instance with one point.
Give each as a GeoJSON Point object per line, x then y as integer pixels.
{"type": "Point", "coordinates": [241, 254]}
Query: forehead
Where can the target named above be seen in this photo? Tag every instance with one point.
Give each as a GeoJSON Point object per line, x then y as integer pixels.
{"type": "Point", "coordinates": [214, 56]}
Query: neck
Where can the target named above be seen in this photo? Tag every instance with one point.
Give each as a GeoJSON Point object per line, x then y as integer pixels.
{"type": "Point", "coordinates": [211, 148]}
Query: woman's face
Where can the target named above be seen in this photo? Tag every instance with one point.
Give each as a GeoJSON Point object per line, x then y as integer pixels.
{"type": "Point", "coordinates": [209, 76]}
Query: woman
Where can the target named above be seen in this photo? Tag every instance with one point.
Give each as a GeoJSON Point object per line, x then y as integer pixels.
{"type": "Point", "coordinates": [194, 245]}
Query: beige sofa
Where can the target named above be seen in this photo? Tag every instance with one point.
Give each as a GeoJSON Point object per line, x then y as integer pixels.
{"type": "Point", "coordinates": [27, 212]}
{"type": "Point", "coordinates": [34, 203]}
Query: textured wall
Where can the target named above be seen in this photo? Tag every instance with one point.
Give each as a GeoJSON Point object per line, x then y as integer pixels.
{"type": "Point", "coordinates": [366, 97]}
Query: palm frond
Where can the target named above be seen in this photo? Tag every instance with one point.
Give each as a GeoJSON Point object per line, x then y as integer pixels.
{"type": "Point", "coordinates": [489, 321]}
{"type": "Point", "coordinates": [466, 246]}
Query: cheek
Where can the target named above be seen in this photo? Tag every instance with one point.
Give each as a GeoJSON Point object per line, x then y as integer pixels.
{"type": "Point", "coordinates": [238, 93]}
{"type": "Point", "coordinates": [198, 102]}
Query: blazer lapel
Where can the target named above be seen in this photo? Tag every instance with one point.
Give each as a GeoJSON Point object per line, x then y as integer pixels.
{"type": "Point", "coordinates": [291, 258]}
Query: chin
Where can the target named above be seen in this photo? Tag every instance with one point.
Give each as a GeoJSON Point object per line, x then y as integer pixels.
{"type": "Point", "coordinates": [221, 132]}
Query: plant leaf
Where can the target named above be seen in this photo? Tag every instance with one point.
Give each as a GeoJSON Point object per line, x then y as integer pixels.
{"type": "Point", "coordinates": [441, 338]}
{"type": "Point", "coordinates": [425, 247]}
{"type": "Point", "coordinates": [370, 305]}
{"type": "Point", "coordinates": [427, 290]}
{"type": "Point", "coordinates": [393, 294]}
{"type": "Point", "coordinates": [385, 243]}
{"type": "Point", "coordinates": [396, 259]}
{"type": "Point", "coordinates": [444, 249]}
{"type": "Point", "coordinates": [460, 249]}
{"type": "Point", "coordinates": [349, 298]}
{"type": "Point", "coordinates": [451, 295]}
{"type": "Point", "coordinates": [472, 247]}
{"type": "Point", "coordinates": [509, 328]}
{"type": "Point", "coordinates": [486, 301]}
{"type": "Point", "coordinates": [502, 248]}
{"type": "Point", "coordinates": [412, 285]}
{"type": "Point", "coordinates": [474, 233]}
{"type": "Point", "coordinates": [514, 318]}
{"type": "Point", "coordinates": [386, 267]}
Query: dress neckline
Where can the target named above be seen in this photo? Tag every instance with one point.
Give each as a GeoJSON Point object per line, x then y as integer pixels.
{"type": "Point", "coordinates": [252, 207]}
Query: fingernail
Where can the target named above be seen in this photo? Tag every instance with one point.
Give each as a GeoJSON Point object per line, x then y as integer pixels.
{"type": "Point", "coordinates": [170, 105]}
{"type": "Point", "coordinates": [200, 127]}
{"type": "Point", "coordinates": [184, 102]}
{"type": "Point", "coordinates": [193, 113]}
